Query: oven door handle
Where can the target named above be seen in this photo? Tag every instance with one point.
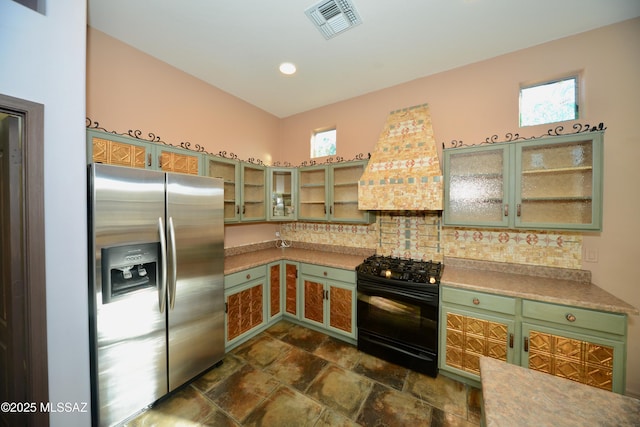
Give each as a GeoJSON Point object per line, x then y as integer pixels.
{"type": "Point", "coordinates": [428, 295]}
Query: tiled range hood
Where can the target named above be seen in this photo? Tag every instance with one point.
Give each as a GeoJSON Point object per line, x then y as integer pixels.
{"type": "Point", "coordinates": [404, 171]}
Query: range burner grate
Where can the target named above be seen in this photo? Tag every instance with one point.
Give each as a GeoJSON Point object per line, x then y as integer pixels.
{"type": "Point", "coordinates": [407, 270]}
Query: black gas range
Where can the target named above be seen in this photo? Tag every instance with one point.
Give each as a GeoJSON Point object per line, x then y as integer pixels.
{"type": "Point", "coordinates": [398, 311]}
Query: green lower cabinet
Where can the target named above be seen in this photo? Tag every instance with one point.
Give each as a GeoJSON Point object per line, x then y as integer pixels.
{"type": "Point", "coordinates": [474, 324]}
{"type": "Point", "coordinates": [592, 352]}
{"type": "Point", "coordinates": [246, 299]}
{"type": "Point", "coordinates": [328, 299]}
{"type": "Point", "coordinates": [583, 345]}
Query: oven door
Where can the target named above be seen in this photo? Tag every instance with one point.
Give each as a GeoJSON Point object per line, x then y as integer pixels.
{"type": "Point", "coordinates": [399, 323]}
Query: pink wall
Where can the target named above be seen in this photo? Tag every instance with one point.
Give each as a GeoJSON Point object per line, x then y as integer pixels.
{"type": "Point", "coordinates": [127, 89]}
{"type": "Point", "coordinates": [474, 102]}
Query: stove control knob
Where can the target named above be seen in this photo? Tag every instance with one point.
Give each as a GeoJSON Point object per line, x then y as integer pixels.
{"type": "Point", "coordinates": [432, 280]}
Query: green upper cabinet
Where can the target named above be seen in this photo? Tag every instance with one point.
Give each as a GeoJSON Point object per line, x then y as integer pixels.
{"type": "Point", "coordinates": [330, 193]}
{"type": "Point", "coordinates": [229, 172]}
{"type": "Point", "coordinates": [245, 188]}
{"type": "Point", "coordinates": [109, 148]}
{"type": "Point", "coordinates": [551, 183]}
{"type": "Point", "coordinates": [281, 195]}
{"type": "Point", "coordinates": [254, 192]}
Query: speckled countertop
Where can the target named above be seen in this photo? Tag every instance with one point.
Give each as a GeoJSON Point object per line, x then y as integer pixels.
{"type": "Point", "coordinates": [347, 261]}
{"type": "Point", "coordinates": [515, 396]}
{"type": "Point", "coordinates": [547, 284]}
{"type": "Point", "coordinates": [555, 285]}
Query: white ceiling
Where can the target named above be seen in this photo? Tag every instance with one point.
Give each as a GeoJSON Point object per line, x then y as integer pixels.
{"type": "Point", "coordinates": [237, 45]}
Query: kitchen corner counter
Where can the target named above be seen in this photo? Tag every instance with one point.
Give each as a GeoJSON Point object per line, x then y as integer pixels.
{"type": "Point", "coordinates": [515, 396]}
{"type": "Point", "coordinates": [235, 263]}
{"type": "Point", "coordinates": [557, 286]}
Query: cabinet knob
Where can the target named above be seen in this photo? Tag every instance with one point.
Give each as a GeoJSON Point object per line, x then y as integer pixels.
{"type": "Point", "coordinates": [248, 276]}
{"type": "Point", "coordinates": [570, 317]}
{"type": "Point", "coordinates": [325, 273]}
{"type": "Point", "coordinates": [476, 301]}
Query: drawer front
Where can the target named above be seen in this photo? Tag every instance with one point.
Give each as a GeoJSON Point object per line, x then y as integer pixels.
{"type": "Point", "coordinates": [348, 276]}
{"type": "Point", "coordinates": [244, 276]}
{"type": "Point", "coordinates": [479, 300]}
{"type": "Point", "coordinates": [573, 316]}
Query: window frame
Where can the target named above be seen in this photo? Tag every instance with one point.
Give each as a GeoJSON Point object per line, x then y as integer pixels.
{"type": "Point", "coordinates": [313, 148]}
{"type": "Point", "coordinates": [576, 77]}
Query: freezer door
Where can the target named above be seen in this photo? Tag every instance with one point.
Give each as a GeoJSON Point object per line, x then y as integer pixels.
{"type": "Point", "coordinates": [128, 329]}
{"type": "Point", "coordinates": [195, 246]}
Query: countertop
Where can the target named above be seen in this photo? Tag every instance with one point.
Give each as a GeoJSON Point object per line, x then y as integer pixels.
{"type": "Point", "coordinates": [539, 288]}
{"type": "Point", "coordinates": [235, 263]}
{"type": "Point", "coordinates": [547, 284]}
{"type": "Point", "coordinates": [515, 396]}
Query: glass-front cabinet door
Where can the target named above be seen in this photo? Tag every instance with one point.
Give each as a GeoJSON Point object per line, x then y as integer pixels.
{"type": "Point", "coordinates": [344, 191]}
{"type": "Point", "coordinates": [281, 197]}
{"type": "Point", "coordinates": [313, 193]}
{"type": "Point", "coordinates": [546, 183]}
{"type": "Point", "coordinates": [558, 184]}
{"type": "Point", "coordinates": [229, 172]}
{"type": "Point", "coordinates": [477, 188]}
{"type": "Point", "coordinates": [254, 191]}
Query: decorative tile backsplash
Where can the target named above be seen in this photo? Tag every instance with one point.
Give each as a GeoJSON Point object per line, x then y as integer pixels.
{"type": "Point", "coordinates": [549, 248]}
{"type": "Point", "coordinates": [422, 236]}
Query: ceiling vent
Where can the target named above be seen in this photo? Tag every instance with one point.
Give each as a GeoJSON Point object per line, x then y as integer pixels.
{"type": "Point", "coordinates": [333, 17]}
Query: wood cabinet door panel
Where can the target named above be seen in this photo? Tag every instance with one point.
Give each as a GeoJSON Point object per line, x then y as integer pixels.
{"type": "Point", "coordinates": [314, 301]}
{"type": "Point", "coordinates": [291, 289]}
{"type": "Point", "coordinates": [340, 315]}
{"type": "Point", "coordinates": [274, 290]}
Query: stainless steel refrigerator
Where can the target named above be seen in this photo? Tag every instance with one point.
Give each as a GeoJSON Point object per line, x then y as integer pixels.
{"type": "Point", "coordinates": [156, 285]}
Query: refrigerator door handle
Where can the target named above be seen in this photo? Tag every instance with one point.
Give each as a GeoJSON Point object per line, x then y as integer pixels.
{"type": "Point", "coordinates": [174, 264]}
{"type": "Point", "coordinates": [162, 290]}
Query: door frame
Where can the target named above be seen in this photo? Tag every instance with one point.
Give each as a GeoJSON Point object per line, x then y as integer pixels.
{"type": "Point", "coordinates": [33, 252]}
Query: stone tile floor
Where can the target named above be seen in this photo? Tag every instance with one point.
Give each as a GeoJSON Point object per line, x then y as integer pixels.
{"type": "Point", "coordinates": [293, 376]}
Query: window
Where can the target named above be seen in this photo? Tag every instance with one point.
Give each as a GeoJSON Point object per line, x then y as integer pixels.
{"type": "Point", "coordinates": [549, 102]}
{"type": "Point", "coordinates": [323, 143]}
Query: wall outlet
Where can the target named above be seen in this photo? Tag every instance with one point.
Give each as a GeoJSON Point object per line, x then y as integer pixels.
{"type": "Point", "coordinates": [590, 254]}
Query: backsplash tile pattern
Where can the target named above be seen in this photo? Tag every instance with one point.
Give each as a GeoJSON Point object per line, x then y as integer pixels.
{"type": "Point", "coordinates": [550, 248]}
{"type": "Point", "coordinates": [420, 235]}
{"type": "Point", "coordinates": [350, 235]}
{"type": "Point", "coordinates": [410, 236]}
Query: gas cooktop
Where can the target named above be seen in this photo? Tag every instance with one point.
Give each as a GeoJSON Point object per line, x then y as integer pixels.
{"type": "Point", "coordinates": [407, 270]}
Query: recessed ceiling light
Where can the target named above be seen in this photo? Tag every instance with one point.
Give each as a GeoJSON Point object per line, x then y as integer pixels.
{"type": "Point", "coordinates": [287, 68]}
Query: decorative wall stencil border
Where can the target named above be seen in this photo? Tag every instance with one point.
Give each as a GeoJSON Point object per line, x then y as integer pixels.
{"type": "Point", "coordinates": [510, 137]}
{"type": "Point", "coordinates": [152, 137]}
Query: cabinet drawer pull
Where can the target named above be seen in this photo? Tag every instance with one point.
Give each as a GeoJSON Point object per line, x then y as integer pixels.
{"type": "Point", "coordinates": [510, 340]}
{"type": "Point", "coordinates": [506, 209]}
{"type": "Point", "coordinates": [248, 276]}
{"type": "Point", "coordinates": [325, 273]}
{"type": "Point", "coordinates": [526, 343]}
{"type": "Point", "coordinates": [518, 209]}
{"type": "Point", "coordinates": [238, 209]}
{"type": "Point", "coordinates": [570, 317]}
{"type": "Point", "coordinates": [476, 301]}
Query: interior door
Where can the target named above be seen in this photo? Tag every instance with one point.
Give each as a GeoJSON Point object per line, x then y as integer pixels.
{"type": "Point", "coordinates": [195, 245]}
{"type": "Point", "coordinates": [12, 320]}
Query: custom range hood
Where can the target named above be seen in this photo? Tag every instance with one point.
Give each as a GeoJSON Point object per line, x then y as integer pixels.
{"type": "Point", "coordinates": [404, 170]}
